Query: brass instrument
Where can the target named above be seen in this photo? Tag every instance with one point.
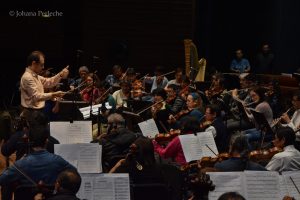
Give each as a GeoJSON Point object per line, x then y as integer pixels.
{"type": "Point", "coordinates": [194, 67]}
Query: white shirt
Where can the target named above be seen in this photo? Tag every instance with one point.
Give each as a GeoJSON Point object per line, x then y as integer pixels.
{"type": "Point", "coordinates": [294, 123]}
{"type": "Point", "coordinates": [288, 160]}
{"type": "Point", "coordinates": [120, 98]}
{"type": "Point", "coordinates": [32, 89]}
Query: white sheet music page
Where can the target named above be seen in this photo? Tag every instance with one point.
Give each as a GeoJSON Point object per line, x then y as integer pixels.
{"type": "Point", "coordinates": [86, 156]}
{"type": "Point", "coordinates": [207, 144]}
{"type": "Point", "coordinates": [226, 182]}
{"type": "Point", "coordinates": [292, 190]}
{"type": "Point", "coordinates": [191, 147]}
{"type": "Point", "coordinates": [148, 128]}
{"type": "Point", "coordinates": [104, 187]}
{"type": "Point", "coordinates": [71, 133]}
{"type": "Point", "coordinates": [261, 185]}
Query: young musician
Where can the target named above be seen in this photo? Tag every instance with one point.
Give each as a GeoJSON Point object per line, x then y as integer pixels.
{"type": "Point", "coordinates": [289, 159]}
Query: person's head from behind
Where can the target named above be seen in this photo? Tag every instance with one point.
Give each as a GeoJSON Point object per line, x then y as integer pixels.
{"type": "Point", "coordinates": [37, 118]}
{"type": "Point", "coordinates": [231, 196]}
{"type": "Point", "coordinates": [142, 151]}
{"type": "Point", "coordinates": [239, 144]}
{"type": "Point", "coordinates": [284, 136]}
{"type": "Point", "coordinates": [38, 136]}
{"type": "Point", "coordinates": [83, 72]}
{"type": "Point", "coordinates": [239, 54]}
{"type": "Point", "coordinates": [36, 61]}
{"type": "Point", "coordinates": [115, 121]}
{"type": "Point", "coordinates": [189, 124]}
{"type": "Point", "coordinates": [68, 181]}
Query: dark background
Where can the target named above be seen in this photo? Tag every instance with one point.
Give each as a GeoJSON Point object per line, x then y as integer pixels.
{"type": "Point", "coordinates": [143, 34]}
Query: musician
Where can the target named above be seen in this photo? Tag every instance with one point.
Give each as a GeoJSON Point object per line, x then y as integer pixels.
{"type": "Point", "coordinates": [289, 159]}
{"type": "Point", "coordinates": [67, 185]}
{"type": "Point", "coordinates": [32, 85]}
{"type": "Point", "coordinates": [39, 165]}
{"type": "Point", "coordinates": [238, 119]}
{"type": "Point", "coordinates": [91, 92]}
{"type": "Point", "coordinates": [240, 64]}
{"type": "Point", "coordinates": [258, 97]}
{"type": "Point", "coordinates": [216, 125]}
{"type": "Point", "coordinates": [157, 81]}
{"type": "Point", "coordinates": [174, 149]}
{"type": "Point", "coordinates": [194, 106]}
{"type": "Point", "coordinates": [116, 141]}
{"type": "Point", "coordinates": [264, 60]}
{"type": "Point", "coordinates": [239, 161]}
{"type": "Point", "coordinates": [120, 96]}
{"type": "Point", "coordinates": [114, 78]}
{"type": "Point", "coordinates": [174, 102]}
{"type": "Point", "coordinates": [293, 122]}
{"type": "Point", "coordinates": [178, 78]}
{"type": "Point", "coordinates": [83, 73]}
{"type": "Point", "coordinates": [231, 196]}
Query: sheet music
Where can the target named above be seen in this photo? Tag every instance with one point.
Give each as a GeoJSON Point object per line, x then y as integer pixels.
{"type": "Point", "coordinates": [70, 133]}
{"type": "Point", "coordinates": [86, 111]}
{"type": "Point", "coordinates": [226, 182]}
{"type": "Point", "coordinates": [149, 128]}
{"type": "Point", "coordinates": [292, 191]}
{"type": "Point", "coordinates": [194, 147]}
{"type": "Point", "coordinates": [104, 187]}
{"type": "Point", "coordinates": [261, 185]}
{"type": "Point", "coordinates": [207, 138]}
{"type": "Point", "coordinates": [283, 187]}
{"type": "Point", "coordinates": [85, 157]}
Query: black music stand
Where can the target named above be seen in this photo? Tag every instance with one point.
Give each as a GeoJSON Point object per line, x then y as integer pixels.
{"type": "Point", "coordinates": [262, 124]}
{"type": "Point", "coordinates": [242, 112]}
{"type": "Point", "coordinates": [69, 110]}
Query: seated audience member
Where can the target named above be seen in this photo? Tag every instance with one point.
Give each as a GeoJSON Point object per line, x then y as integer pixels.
{"type": "Point", "coordinates": [39, 164]}
{"type": "Point", "coordinates": [116, 142]}
{"type": "Point", "coordinates": [231, 196]}
{"type": "Point", "coordinates": [239, 160]}
{"type": "Point", "coordinates": [289, 159]}
{"type": "Point", "coordinates": [67, 185]}
{"type": "Point", "coordinates": [240, 64]}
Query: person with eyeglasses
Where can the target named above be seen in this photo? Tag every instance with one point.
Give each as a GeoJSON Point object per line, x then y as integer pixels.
{"type": "Point", "coordinates": [32, 84]}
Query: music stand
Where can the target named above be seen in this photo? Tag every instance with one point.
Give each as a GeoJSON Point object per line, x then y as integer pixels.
{"type": "Point", "coordinates": [242, 112]}
{"type": "Point", "coordinates": [262, 124]}
{"type": "Point", "coordinates": [69, 110]}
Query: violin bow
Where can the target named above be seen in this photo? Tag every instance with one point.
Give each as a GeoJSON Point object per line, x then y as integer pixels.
{"type": "Point", "coordinates": [295, 185]}
{"type": "Point", "coordinates": [149, 107]}
{"type": "Point", "coordinates": [163, 126]}
{"type": "Point", "coordinates": [24, 174]}
{"type": "Point", "coordinates": [211, 150]}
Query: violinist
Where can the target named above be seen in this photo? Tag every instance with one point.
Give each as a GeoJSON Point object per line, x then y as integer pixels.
{"type": "Point", "coordinates": [216, 88]}
{"type": "Point", "coordinates": [178, 81]}
{"type": "Point", "coordinates": [193, 104]}
{"type": "Point", "coordinates": [157, 81]}
{"type": "Point", "coordinates": [90, 93]}
{"type": "Point", "coordinates": [174, 149]}
{"type": "Point", "coordinates": [114, 79]}
{"type": "Point", "coordinates": [293, 122]}
{"type": "Point", "coordinates": [121, 96]}
{"type": "Point", "coordinates": [83, 73]}
{"type": "Point", "coordinates": [159, 112]}
{"type": "Point", "coordinates": [214, 123]}
{"type": "Point", "coordinates": [174, 102]}
{"type": "Point", "coordinates": [289, 159]}
{"type": "Point", "coordinates": [239, 160]}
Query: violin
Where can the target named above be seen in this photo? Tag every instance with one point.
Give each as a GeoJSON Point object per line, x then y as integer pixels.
{"type": "Point", "coordinates": [263, 155]}
{"type": "Point", "coordinates": [205, 125]}
{"type": "Point", "coordinates": [168, 136]}
{"type": "Point", "coordinates": [182, 113]}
